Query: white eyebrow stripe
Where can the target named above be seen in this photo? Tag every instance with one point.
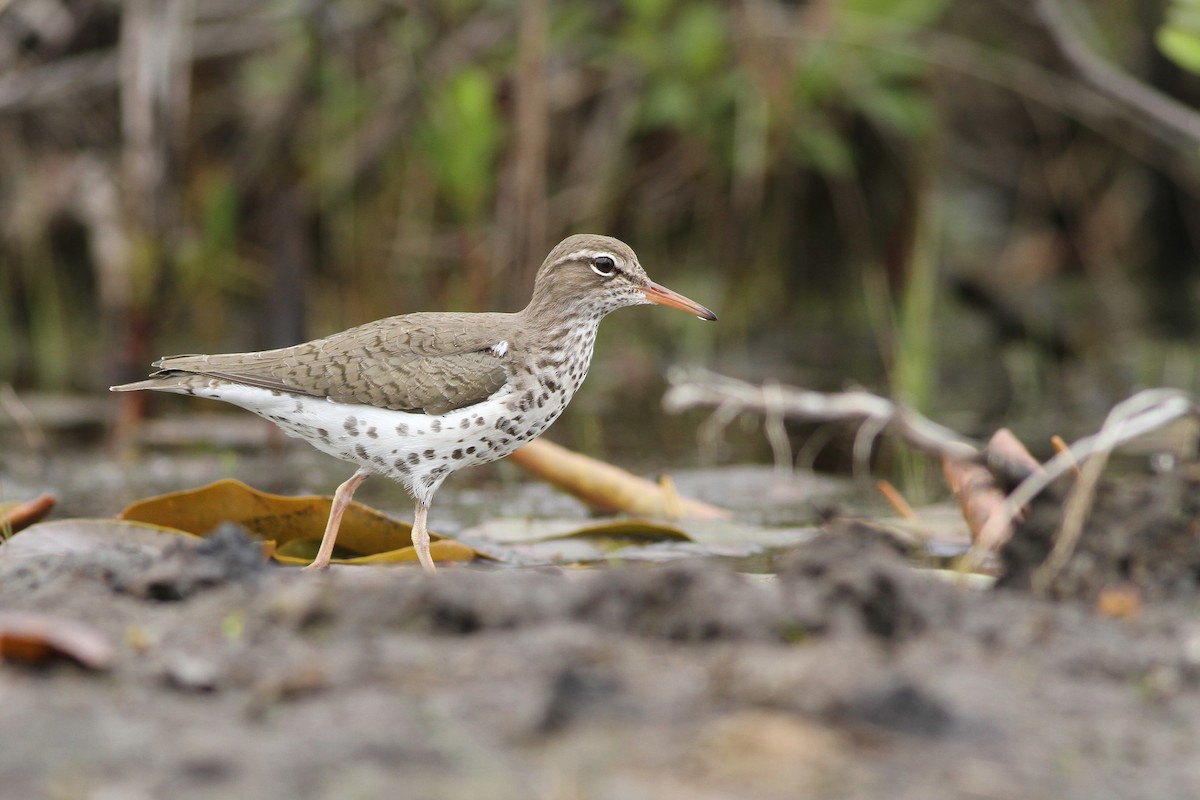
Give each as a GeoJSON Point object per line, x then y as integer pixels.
{"type": "Point", "coordinates": [594, 254]}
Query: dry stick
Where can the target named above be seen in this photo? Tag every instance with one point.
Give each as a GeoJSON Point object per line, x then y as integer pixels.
{"type": "Point", "coordinates": [1136, 416]}
{"type": "Point", "coordinates": [1143, 412]}
{"type": "Point", "coordinates": [730, 396]}
{"type": "Point", "coordinates": [781, 448]}
{"type": "Point", "coordinates": [1160, 406]}
{"type": "Point", "coordinates": [1144, 106]}
{"type": "Point", "coordinates": [27, 424]}
{"type": "Point", "coordinates": [897, 501]}
{"type": "Point", "coordinates": [1060, 445]}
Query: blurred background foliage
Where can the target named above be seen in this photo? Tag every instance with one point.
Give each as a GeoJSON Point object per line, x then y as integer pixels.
{"type": "Point", "coordinates": [987, 207]}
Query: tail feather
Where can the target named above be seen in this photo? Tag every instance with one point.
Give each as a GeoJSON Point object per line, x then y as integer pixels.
{"type": "Point", "coordinates": [169, 382]}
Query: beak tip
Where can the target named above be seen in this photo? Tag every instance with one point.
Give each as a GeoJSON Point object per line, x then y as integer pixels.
{"type": "Point", "coordinates": [665, 297]}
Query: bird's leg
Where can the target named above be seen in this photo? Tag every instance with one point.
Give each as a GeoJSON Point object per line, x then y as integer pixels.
{"type": "Point", "coordinates": [420, 538]}
{"type": "Point", "coordinates": [341, 499]}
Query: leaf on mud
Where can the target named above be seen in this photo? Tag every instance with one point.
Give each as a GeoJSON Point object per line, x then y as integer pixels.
{"type": "Point", "coordinates": [1119, 602]}
{"type": "Point", "coordinates": [15, 517]}
{"type": "Point", "coordinates": [292, 525]}
{"type": "Point", "coordinates": [85, 536]}
{"type": "Point", "coordinates": [567, 541]}
{"type": "Point", "coordinates": [37, 638]}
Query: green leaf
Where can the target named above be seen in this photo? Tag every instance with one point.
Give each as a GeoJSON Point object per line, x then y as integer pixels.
{"type": "Point", "coordinates": [824, 149]}
{"type": "Point", "coordinates": [461, 138]}
{"type": "Point", "coordinates": [1181, 45]}
{"type": "Point", "coordinates": [700, 39]}
{"type": "Point", "coordinates": [667, 103]}
{"type": "Point", "coordinates": [904, 111]}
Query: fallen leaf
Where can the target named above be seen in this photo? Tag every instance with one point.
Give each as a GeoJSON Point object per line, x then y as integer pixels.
{"type": "Point", "coordinates": [38, 638]}
{"type": "Point", "coordinates": [532, 541]}
{"type": "Point", "coordinates": [292, 525]}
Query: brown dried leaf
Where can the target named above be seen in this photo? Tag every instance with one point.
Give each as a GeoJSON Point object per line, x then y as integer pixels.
{"type": "Point", "coordinates": [292, 525]}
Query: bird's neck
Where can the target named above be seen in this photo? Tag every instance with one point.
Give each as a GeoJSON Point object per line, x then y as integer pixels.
{"type": "Point", "coordinates": [548, 312]}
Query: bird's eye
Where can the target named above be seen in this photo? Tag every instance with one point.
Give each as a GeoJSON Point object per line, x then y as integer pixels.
{"type": "Point", "coordinates": [604, 266]}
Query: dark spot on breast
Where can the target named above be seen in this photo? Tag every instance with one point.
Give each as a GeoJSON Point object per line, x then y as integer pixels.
{"type": "Point", "coordinates": [429, 454]}
{"type": "Point", "coordinates": [479, 420]}
{"type": "Point", "coordinates": [552, 385]}
{"type": "Point", "coordinates": [471, 450]}
{"type": "Point", "coordinates": [276, 393]}
{"type": "Point", "coordinates": [374, 434]}
{"type": "Point", "coordinates": [436, 426]}
{"type": "Point", "coordinates": [457, 454]}
{"type": "Point", "coordinates": [360, 451]}
{"type": "Point", "coordinates": [465, 423]}
{"type": "Point", "coordinates": [298, 408]}
{"type": "Point", "coordinates": [400, 466]}
{"type": "Point", "coordinates": [414, 459]}
{"type": "Point", "coordinates": [351, 426]}
{"type": "Point", "coordinates": [402, 429]}
{"type": "Point", "coordinates": [541, 401]}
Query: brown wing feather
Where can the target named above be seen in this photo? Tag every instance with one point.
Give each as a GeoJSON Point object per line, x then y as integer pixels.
{"type": "Point", "coordinates": [418, 362]}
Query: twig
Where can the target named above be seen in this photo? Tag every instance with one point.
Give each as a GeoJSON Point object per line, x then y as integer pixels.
{"type": "Point", "coordinates": [1136, 416]}
{"type": "Point", "coordinates": [1145, 411]}
{"type": "Point", "coordinates": [24, 418]}
{"type": "Point", "coordinates": [1144, 106]}
{"type": "Point", "coordinates": [776, 433]}
{"type": "Point", "coordinates": [690, 389]}
{"type": "Point", "coordinates": [895, 499]}
{"type": "Point", "coordinates": [1158, 406]}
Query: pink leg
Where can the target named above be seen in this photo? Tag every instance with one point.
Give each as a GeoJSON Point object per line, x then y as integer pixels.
{"type": "Point", "coordinates": [420, 538]}
{"type": "Point", "coordinates": [341, 499]}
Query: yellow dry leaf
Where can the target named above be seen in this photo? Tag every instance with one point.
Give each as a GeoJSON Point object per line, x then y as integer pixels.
{"type": "Point", "coordinates": [293, 524]}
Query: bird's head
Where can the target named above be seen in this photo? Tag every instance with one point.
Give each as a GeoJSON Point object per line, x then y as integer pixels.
{"type": "Point", "coordinates": [592, 275]}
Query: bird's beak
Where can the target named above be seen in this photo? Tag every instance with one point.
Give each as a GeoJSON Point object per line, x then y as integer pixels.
{"type": "Point", "coordinates": [665, 297]}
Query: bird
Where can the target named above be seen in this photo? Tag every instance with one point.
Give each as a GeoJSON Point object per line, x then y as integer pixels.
{"type": "Point", "coordinates": [419, 396]}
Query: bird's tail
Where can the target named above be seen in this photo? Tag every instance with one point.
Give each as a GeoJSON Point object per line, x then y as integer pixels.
{"type": "Point", "coordinates": [178, 382]}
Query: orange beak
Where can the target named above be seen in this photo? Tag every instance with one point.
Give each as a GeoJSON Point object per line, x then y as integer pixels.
{"type": "Point", "coordinates": [665, 297]}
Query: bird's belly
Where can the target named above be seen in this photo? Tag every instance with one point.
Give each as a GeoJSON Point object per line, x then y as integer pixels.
{"type": "Point", "coordinates": [419, 450]}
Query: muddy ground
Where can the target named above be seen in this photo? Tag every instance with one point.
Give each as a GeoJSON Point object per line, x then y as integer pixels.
{"type": "Point", "coordinates": [847, 674]}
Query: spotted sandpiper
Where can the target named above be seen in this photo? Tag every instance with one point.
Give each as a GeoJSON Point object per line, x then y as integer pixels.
{"type": "Point", "coordinates": [419, 396]}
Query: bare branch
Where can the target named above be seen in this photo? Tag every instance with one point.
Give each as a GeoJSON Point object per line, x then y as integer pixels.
{"type": "Point", "coordinates": [1142, 105]}
{"type": "Point", "coordinates": [879, 415]}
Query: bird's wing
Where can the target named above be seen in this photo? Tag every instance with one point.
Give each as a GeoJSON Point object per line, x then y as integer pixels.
{"type": "Point", "coordinates": [433, 363]}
